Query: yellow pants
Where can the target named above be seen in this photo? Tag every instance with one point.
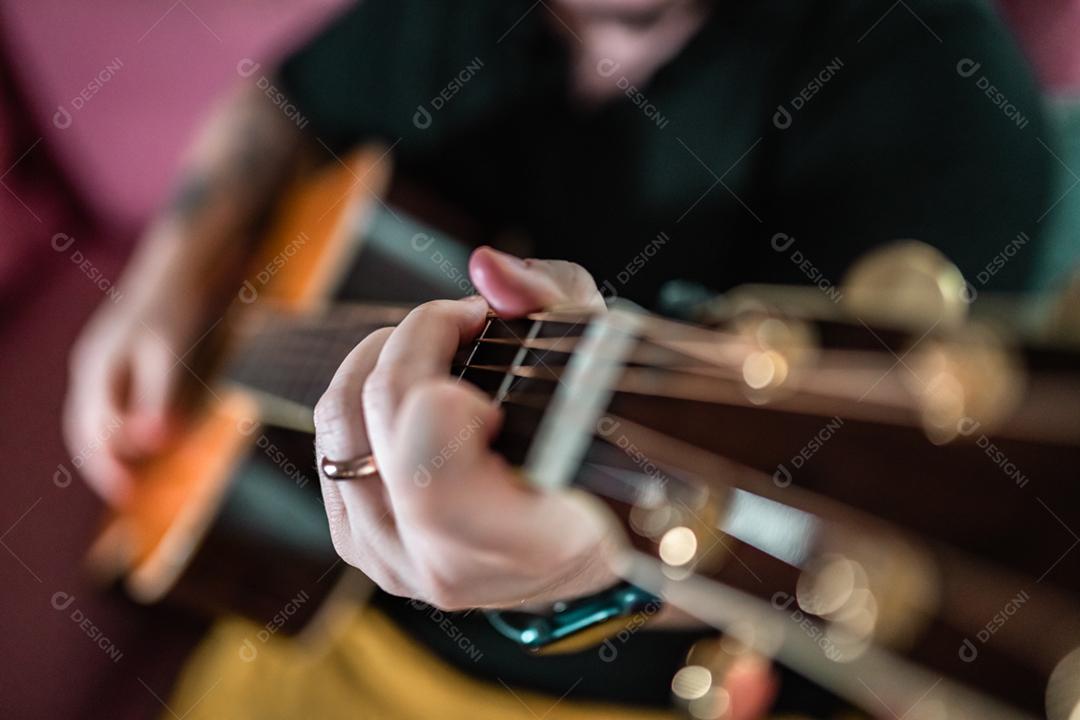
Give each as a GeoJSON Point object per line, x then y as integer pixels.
{"type": "Point", "coordinates": [371, 670]}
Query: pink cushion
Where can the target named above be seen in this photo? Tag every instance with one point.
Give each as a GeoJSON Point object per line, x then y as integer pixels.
{"type": "Point", "coordinates": [1049, 32]}
{"type": "Point", "coordinates": [117, 88]}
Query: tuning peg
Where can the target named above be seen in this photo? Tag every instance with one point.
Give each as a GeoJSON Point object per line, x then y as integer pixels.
{"type": "Point", "coordinates": [906, 284]}
{"type": "Point", "coordinates": [1063, 689]}
{"type": "Point", "coordinates": [969, 380]}
{"type": "Point", "coordinates": [683, 529]}
{"type": "Point", "coordinates": [777, 349]}
{"type": "Point", "coordinates": [866, 591]}
{"type": "Point", "coordinates": [697, 687]}
{"type": "Point", "coordinates": [690, 301]}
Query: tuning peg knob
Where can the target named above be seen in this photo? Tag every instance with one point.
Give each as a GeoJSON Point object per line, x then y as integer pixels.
{"type": "Point", "coordinates": [683, 530]}
{"type": "Point", "coordinates": [776, 350]}
{"type": "Point", "coordinates": [698, 687]}
{"type": "Point", "coordinates": [1063, 689]}
{"type": "Point", "coordinates": [906, 284]}
{"type": "Point", "coordinates": [966, 381]}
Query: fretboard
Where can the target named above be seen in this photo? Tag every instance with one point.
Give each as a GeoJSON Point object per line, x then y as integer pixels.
{"type": "Point", "coordinates": [288, 361]}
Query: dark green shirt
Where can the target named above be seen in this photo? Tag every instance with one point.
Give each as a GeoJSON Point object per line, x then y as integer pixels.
{"type": "Point", "coordinates": [842, 124]}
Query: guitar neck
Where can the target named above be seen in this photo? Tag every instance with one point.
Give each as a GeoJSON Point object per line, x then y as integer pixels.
{"type": "Point", "coordinates": [287, 360]}
{"type": "Point", "coordinates": [768, 489]}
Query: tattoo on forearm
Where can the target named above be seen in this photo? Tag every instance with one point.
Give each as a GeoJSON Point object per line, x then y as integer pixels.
{"type": "Point", "coordinates": [248, 156]}
{"type": "Point", "coordinates": [191, 196]}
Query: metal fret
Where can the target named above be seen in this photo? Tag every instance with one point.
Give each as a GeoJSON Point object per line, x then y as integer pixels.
{"type": "Point", "coordinates": [568, 426]}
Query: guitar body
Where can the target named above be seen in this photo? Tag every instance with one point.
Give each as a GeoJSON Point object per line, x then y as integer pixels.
{"type": "Point", "coordinates": [230, 518]}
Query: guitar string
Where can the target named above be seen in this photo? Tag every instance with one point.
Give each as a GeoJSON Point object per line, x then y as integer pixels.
{"type": "Point", "coordinates": [301, 363]}
{"type": "Point", "coordinates": [705, 382]}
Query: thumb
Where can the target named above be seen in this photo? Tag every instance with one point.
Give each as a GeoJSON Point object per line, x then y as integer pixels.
{"type": "Point", "coordinates": [152, 394]}
{"type": "Point", "coordinates": [516, 287]}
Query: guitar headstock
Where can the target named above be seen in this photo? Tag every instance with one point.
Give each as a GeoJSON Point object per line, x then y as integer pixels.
{"type": "Point", "coordinates": [850, 492]}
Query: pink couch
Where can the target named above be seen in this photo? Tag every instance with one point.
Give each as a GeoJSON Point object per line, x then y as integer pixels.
{"type": "Point", "coordinates": [1049, 32]}
{"type": "Point", "coordinates": [97, 101]}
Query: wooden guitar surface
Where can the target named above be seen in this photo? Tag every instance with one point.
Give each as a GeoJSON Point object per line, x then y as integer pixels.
{"type": "Point", "coordinates": [149, 541]}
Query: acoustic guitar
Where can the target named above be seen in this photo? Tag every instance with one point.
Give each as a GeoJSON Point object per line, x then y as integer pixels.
{"type": "Point", "coordinates": [230, 518]}
{"type": "Point", "coordinates": [882, 495]}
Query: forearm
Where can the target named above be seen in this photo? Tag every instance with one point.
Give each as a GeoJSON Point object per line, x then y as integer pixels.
{"type": "Point", "coordinates": [233, 174]}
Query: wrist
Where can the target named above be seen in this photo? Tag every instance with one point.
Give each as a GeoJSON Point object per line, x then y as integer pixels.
{"type": "Point", "coordinates": [588, 572]}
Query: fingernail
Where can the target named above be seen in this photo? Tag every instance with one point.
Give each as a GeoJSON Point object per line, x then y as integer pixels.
{"type": "Point", "coordinates": [513, 259]}
{"type": "Point", "coordinates": [476, 304]}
